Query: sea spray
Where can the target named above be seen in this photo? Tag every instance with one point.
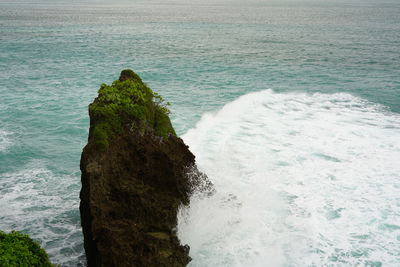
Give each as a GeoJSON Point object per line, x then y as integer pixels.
{"type": "Point", "coordinates": [300, 179]}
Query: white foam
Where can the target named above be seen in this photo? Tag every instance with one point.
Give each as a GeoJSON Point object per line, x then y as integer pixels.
{"type": "Point", "coordinates": [45, 206]}
{"type": "Point", "coordinates": [5, 140]}
{"type": "Point", "coordinates": [300, 179]}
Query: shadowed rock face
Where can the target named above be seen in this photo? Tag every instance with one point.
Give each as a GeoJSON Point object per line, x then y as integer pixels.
{"type": "Point", "coordinates": [131, 191]}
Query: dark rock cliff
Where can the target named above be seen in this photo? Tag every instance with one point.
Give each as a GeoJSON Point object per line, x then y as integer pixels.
{"type": "Point", "coordinates": [135, 175]}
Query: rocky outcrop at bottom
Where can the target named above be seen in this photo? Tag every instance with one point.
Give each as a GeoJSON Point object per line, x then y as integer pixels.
{"type": "Point", "coordinates": [129, 201]}
{"type": "Point", "coordinates": [132, 188]}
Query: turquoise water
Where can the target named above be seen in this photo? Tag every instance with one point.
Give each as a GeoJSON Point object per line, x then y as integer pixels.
{"type": "Point", "coordinates": [334, 73]}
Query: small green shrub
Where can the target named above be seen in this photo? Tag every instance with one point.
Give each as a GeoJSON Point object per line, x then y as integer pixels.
{"type": "Point", "coordinates": [125, 101]}
{"type": "Point", "coordinates": [19, 250]}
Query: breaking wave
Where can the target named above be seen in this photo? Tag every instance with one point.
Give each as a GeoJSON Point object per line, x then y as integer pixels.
{"type": "Point", "coordinates": [300, 180]}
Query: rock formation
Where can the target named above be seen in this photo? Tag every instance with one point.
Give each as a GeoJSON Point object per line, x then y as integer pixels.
{"type": "Point", "coordinates": [135, 175]}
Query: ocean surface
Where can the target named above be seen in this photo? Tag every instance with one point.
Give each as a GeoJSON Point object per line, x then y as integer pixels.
{"type": "Point", "coordinates": [292, 108]}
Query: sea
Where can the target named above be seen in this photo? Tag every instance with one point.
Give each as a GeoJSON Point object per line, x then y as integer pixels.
{"type": "Point", "coordinates": [291, 107]}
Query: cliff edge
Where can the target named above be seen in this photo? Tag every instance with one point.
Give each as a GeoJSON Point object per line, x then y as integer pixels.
{"type": "Point", "coordinates": [135, 174]}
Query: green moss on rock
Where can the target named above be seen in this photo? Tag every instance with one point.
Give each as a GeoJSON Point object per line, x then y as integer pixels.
{"type": "Point", "coordinates": [128, 101]}
{"type": "Point", "coordinates": [19, 250]}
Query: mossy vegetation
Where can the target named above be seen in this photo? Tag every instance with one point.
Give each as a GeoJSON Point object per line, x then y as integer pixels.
{"type": "Point", "coordinates": [19, 250]}
{"type": "Point", "coordinates": [128, 101]}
